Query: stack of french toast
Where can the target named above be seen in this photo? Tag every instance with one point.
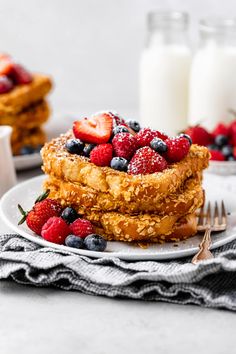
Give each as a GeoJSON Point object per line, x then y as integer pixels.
{"type": "Point", "coordinates": [132, 183]}
{"type": "Point", "coordinates": [23, 105]}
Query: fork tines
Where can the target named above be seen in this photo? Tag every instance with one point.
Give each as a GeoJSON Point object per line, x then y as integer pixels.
{"type": "Point", "coordinates": [216, 220]}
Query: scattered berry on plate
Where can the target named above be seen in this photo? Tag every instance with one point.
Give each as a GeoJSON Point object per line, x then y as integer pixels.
{"type": "Point", "coordinates": [87, 149]}
{"type": "Point", "coordinates": [27, 150]}
{"type": "Point", "coordinates": [227, 151]}
{"type": "Point", "coordinates": [212, 147]}
{"type": "Point", "coordinates": [146, 135]}
{"type": "Point", "coordinates": [199, 135]}
{"type": "Point", "coordinates": [42, 210]}
{"type": "Point", "coordinates": [101, 155]}
{"type": "Point", "coordinates": [94, 130]}
{"type": "Point", "coordinates": [177, 148]}
{"type": "Point", "coordinates": [74, 241]}
{"type": "Point", "coordinates": [119, 164]}
{"type": "Point", "coordinates": [74, 146]}
{"type": "Point", "coordinates": [216, 155]}
{"type": "Point", "coordinates": [158, 145]}
{"type": "Point", "coordinates": [55, 230]}
{"type": "Point", "coordinates": [81, 228]}
{"type": "Point", "coordinates": [120, 129]}
{"type": "Point", "coordinates": [124, 145]}
{"type": "Point", "coordinates": [221, 140]}
{"type": "Point", "coordinates": [221, 129]}
{"type": "Point", "coordinates": [230, 158]}
{"type": "Point", "coordinates": [20, 75]}
{"type": "Point", "coordinates": [146, 161]}
{"type": "Point", "coordinates": [69, 214]}
{"type": "Point", "coordinates": [95, 243]}
{"type": "Point", "coordinates": [6, 85]}
{"type": "Point", "coordinates": [134, 125]}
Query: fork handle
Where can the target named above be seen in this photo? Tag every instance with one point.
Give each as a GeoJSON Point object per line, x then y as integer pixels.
{"type": "Point", "coordinates": [204, 248]}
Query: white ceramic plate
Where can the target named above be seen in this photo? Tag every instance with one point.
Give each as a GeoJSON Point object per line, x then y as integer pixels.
{"type": "Point", "coordinates": [223, 168]}
{"type": "Point", "coordinates": [26, 193]}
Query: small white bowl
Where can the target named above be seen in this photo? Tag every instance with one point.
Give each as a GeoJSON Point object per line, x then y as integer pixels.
{"type": "Point", "coordinates": [223, 168]}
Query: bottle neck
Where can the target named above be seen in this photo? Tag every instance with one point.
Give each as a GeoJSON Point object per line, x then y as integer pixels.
{"type": "Point", "coordinates": [160, 37]}
{"type": "Point", "coordinates": [218, 32]}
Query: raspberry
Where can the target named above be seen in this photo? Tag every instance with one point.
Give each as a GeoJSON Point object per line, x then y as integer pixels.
{"type": "Point", "coordinates": [199, 135]}
{"type": "Point", "coordinates": [146, 161]}
{"type": "Point", "coordinates": [81, 228]}
{"type": "Point", "coordinates": [177, 149]}
{"type": "Point", "coordinates": [221, 129]}
{"type": "Point", "coordinates": [55, 230]}
{"type": "Point", "coordinates": [117, 119]}
{"type": "Point", "coordinates": [20, 75]}
{"type": "Point", "coordinates": [216, 155]}
{"type": "Point", "coordinates": [40, 213]}
{"type": "Point", "coordinates": [146, 135]}
{"type": "Point", "coordinates": [124, 145]}
{"type": "Point", "coordinates": [101, 155]}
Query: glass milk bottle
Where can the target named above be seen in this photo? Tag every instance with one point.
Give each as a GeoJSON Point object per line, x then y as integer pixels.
{"type": "Point", "coordinates": [164, 73]}
{"type": "Point", "coordinates": [213, 74]}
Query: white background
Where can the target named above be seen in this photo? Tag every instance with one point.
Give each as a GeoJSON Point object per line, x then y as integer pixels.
{"type": "Point", "coordinates": [90, 47]}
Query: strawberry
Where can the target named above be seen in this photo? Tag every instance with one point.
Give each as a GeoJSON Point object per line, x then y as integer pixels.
{"type": "Point", "coordinates": [20, 75]}
{"type": "Point", "coordinates": [146, 135]}
{"type": "Point", "coordinates": [81, 228]}
{"type": "Point", "coordinates": [146, 161]}
{"type": "Point", "coordinates": [177, 148]}
{"type": "Point", "coordinates": [101, 155]}
{"type": "Point", "coordinates": [199, 135]}
{"type": "Point", "coordinates": [55, 230]}
{"type": "Point", "coordinates": [6, 85]}
{"type": "Point", "coordinates": [124, 145]}
{"type": "Point", "coordinates": [216, 155]}
{"type": "Point", "coordinates": [221, 129]}
{"type": "Point", "coordinates": [94, 130]}
{"type": "Point", "coordinates": [40, 213]}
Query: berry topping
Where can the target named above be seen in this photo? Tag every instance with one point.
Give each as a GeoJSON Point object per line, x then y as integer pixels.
{"type": "Point", "coordinates": [158, 145]}
{"type": "Point", "coordinates": [94, 130]}
{"type": "Point", "coordinates": [217, 155]}
{"type": "Point", "coordinates": [101, 155]}
{"type": "Point", "coordinates": [55, 230]}
{"type": "Point", "coordinates": [134, 125]}
{"type": "Point", "coordinates": [120, 129]}
{"type": "Point", "coordinates": [40, 213]}
{"type": "Point", "coordinates": [20, 75]}
{"type": "Point", "coordinates": [81, 228]}
{"type": "Point", "coordinates": [199, 135]}
{"type": "Point", "coordinates": [27, 150]}
{"type": "Point", "coordinates": [74, 146]}
{"type": "Point", "coordinates": [87, 149]}
{"type": "Point", "coordinates": [95, 242]}
{"type": "Point", "coordinates": [119, 164]}
{"type": "Point", "coordinates": [230, 158]}
{"type": "Point", "coordinates": [124, 145]}
{"type": "Point", "coordinates": [212, 147]}
{"type": "Point", "coordinates": [187, 137]}
{"type": "Point", "coordinates": [146, 135]}
{"type": "Point", "coordinates": [220, 129]}
{"type": "Point", "coordinates": [69, 215]}
{"type": "Point", "coordinates": [221, 140]}
{"type": "Point", "coordinates": [117, 119]}
{"type": "Point", "coordinates": [177, 149]}
{"type": "Point", "coordinates": [227, 150]}
{"type": "Point", "coordinates": [74, 241]}
{"type": "Point", "coordinates": [6, 84]}
{"type": "Point", "coordinates": [146, 161]}
{"type": "Point", "coordinates": [6, 65]}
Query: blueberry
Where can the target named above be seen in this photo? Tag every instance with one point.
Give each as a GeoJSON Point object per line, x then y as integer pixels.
{"type": "Point", "coordinates": [119, 163]}
{"type": "Point", "coordinates": [69, 215]}
{"type": "Point", "coordinates": [120, 129]}
{"type": "Point", "coordinates": [221, 140]}
{"type": "Point", "coordinates": [27, 150]}
{"type": "Point", "coordinates": [74, 241]}
{"type": "Point", "coordinates": [227, 150]}
{"type": "Point", "coordinates": [38, 147]}
{"type": "Point", "coordinates": [230, 158]}
{"type": "Point", "coordinates": [187, 137]}
{"type": "Point", "coordinates": [212, 147]}
{"type": "Point", "coordinates": [74, 146]}
{"type": "Point", "coordinates": [158, 145]}
{"type": "Point", "coordinates": [95, 242]}
{"type": "Point", "coordinates": [133, 124]}
{"type": "Point", "coordinates": [87, 149]}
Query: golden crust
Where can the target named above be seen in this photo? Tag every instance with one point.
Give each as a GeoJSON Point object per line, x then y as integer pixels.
{"type": "Point", "coordinates": [139, 189]}
{"type": "Point", "coordinates": [183, 201]}
{"type": "Point", "coordinates": [32, 137]}
{"type": "Point", "coordinates": [23, 96]}
{"type": "Point", "coordinates": [31, 117]}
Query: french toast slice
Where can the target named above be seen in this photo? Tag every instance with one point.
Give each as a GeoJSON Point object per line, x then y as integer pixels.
{"type": "Point", "coordinates": [23, 96]}
{"type": "Point", "coordinates": [32, 137]}
{"type": "Point", "coordinates": [137, 189]}
{"type": "Point", "coordinates": [83, 197]}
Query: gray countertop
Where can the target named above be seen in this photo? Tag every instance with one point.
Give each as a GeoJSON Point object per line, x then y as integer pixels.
{"type": "Point", "coordinates": [41, 320]}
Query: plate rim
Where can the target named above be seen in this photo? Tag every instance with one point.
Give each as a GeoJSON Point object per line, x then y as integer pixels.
{"type": "Point", "coordinates": [170, 255]}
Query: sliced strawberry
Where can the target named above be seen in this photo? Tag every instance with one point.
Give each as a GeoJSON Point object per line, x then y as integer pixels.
{"type": "Point", "coordinates": [94, 130]}
{"type": "Point", "coordinates": [20, 75]}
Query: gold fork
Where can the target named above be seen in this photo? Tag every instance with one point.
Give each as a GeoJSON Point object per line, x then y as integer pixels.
{"type": "Point", "coordinates": [208, 222]}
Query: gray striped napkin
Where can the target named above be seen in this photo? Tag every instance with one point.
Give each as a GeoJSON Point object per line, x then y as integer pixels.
{"type": "Point", "coordinates": [211, 283]}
